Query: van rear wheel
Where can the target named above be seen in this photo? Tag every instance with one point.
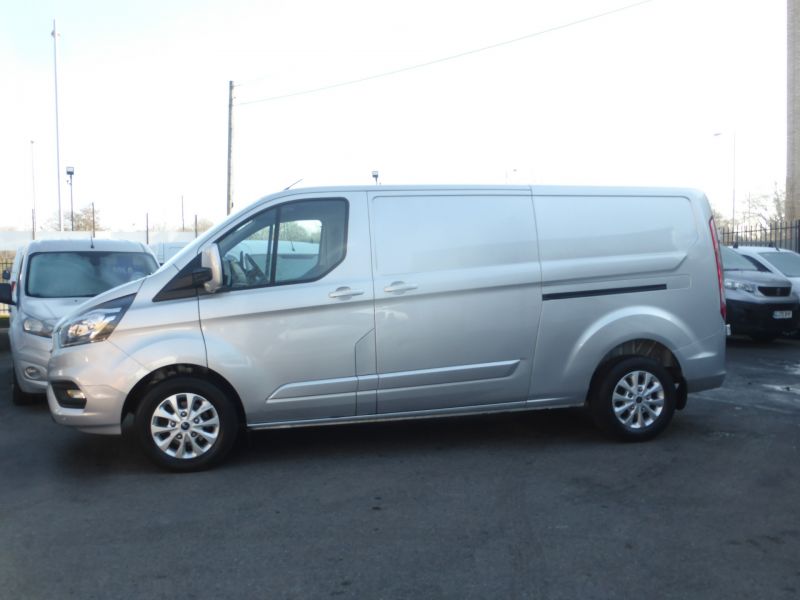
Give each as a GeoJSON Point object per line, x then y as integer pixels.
{"type": "Point", "coordinates": [634, 399]}
{"type": "Point", "coordinates": [186, 424]}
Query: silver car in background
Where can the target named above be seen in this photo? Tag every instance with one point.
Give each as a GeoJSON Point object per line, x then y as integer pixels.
{"type": "Point", "coordinates": [761, 304]}
{"type": "Point", "coordinates": [781, 262]}
{"type": "Point", "coordinates": [52, 278]}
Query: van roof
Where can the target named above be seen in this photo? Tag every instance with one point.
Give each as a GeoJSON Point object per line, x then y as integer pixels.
{"type": "Point", "coordinates": [87, 244]}
{"type": "Point", "coordinates": [538, 190]}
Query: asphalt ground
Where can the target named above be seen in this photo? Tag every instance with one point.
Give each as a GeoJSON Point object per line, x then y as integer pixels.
{"type": "Point", "coordinates": [537, 505]}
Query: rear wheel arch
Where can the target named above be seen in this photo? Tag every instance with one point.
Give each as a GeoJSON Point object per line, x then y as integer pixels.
{"type": "Point", "coordinates": [644, 348]}
{"type": "Point", "coordinates": [634, 398]}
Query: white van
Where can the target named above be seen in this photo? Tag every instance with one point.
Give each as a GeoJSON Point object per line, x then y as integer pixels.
{"type": "Point", "coordinates": [49, 279]}
{"type": "Point", "coordinates": [345, 305]}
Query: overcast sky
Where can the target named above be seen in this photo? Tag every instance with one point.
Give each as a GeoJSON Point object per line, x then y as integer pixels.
{"type": "Point", "coordinates": [630, 98]}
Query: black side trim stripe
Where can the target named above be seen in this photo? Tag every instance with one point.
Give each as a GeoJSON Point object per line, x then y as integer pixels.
{"type": "Point", "coordinates": [605, 292]}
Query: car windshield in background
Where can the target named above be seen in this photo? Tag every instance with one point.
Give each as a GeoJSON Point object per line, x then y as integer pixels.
{"type": "Point", "coordinates": [84, 274]}
{"type": "Point", "coordinates": [787, 263]}
{"type": "Point", "coordinates": [732, 261]}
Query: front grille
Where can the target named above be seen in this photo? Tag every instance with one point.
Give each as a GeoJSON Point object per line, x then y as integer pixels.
{"type": "Point", "coordinates": [774, 291]}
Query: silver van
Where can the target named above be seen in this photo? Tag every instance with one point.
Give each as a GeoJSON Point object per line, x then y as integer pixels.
{"type": "Point", "coordinates": [345, 305]}
{"type": "Point", "coordinates": [49, 279]}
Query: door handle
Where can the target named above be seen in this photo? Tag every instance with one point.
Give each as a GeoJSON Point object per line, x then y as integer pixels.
{"type": "Point", "coordinates": [344, 293]}
{"type": "Point", "coordinates": [398, 287]}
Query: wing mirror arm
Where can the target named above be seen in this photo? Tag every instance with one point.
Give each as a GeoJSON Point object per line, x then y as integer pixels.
{"type": "Point", "coordinates": [210, 275]}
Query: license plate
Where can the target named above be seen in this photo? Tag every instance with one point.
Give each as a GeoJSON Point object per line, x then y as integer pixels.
{"type": "Point", "coordinates": [782, 314]}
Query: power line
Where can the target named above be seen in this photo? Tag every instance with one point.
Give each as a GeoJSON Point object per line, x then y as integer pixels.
{"type": "Point", "coordinates": [444, 59]}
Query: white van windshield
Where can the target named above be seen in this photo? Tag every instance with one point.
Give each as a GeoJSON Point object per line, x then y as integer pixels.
{"type": "Point", "coordinates": [83, 274]}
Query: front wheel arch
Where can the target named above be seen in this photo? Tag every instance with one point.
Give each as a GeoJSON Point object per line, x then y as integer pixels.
{"type": "Point", "coordinates": [181, 370]}
{"type": "Point", "coordinates": [186, 424]}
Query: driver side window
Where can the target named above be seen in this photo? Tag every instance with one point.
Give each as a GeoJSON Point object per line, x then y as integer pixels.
{"type": "Point", "coordinates": [290, 243]}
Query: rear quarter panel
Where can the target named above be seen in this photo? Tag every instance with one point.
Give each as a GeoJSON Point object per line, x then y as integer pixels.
{"type": "Point", "coordinates": [619, 266]}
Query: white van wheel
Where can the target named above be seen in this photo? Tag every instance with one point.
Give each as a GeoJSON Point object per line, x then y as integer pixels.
{"type": "Point", "coordinates": [186, 424]}
{"type": "Point", "coordinates": [634, 399]}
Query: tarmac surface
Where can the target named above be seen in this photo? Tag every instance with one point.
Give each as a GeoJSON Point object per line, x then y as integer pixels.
{"type": "Point", "coordinates": [538, 505]}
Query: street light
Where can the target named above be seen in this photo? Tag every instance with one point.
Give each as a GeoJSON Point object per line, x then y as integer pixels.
{"type": "Point", "coordinates": [375, 177]}
{"type": "Point", "coordinates": [733, 184]}
{"type": "Point", "coordinates": [33, 195]}
{"type": "Point", "coordinates": [70, 173]}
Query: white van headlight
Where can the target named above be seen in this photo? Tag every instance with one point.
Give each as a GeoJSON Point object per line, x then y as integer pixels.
{"type": "Point", "coordinates": [95, 324]}
{"type": "Point", "coordinates": [37, 327]}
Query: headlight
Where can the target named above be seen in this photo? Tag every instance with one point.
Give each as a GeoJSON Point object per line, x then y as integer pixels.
{"type": "Point", "coordinates": [37, 327]}
{"type": "Point", "coordinates": [740, 285]}
{"type": "Point", "coordinates": [95, 324]}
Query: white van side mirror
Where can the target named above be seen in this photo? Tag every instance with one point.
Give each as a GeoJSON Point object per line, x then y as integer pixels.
{"type": "Point", "coordinates": [212, 260]}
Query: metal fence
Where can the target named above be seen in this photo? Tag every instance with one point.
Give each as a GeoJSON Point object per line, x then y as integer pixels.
{"type": "Point", "coordinates": [784, 235]}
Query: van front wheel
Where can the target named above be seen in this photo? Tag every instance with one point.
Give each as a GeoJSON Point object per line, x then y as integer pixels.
{"type": "Point", "coordinates": [634, 399]}
{"type": "Point", "coordinates": [186, 424]}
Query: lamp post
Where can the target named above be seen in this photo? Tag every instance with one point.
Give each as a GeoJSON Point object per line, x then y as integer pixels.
{"type": "Point", "coordinates": [54, 33]}
{"type": "Point", "coordinates": [733, 182]}
{"type": "Point", "coordinates": [70, 173]}
{"type": "Point", "coordinates": [33, 195]}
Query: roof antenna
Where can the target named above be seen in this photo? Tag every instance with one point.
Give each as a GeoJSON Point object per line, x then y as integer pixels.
{"type": "Point", "coordinates": [288, 187]}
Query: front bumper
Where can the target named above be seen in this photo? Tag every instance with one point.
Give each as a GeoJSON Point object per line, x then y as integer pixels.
{"type": "Point", "coordinates": [104, 374]}
{"type": "Point", "coordinates": [30, 354]}
{"type": "Point", "coordinates": [751, 318]}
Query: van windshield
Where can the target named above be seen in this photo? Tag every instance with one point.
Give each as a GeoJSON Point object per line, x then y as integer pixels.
{"type": "Point", "coordinates": [83, 274]}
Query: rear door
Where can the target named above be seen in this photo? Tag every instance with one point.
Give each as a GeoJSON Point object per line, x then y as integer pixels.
{"type": "Point", "coordinates": [292, 328]}
{"type": "Point", "coordinates": [457, 297]}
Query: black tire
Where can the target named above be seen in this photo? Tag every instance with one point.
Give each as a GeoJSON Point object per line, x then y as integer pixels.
{"type": "Point", "coordinates": [20, 397]}
{"type": "Point", "coordinates": [202, 414]}
{"type": "Point", "coordinates": [633, 399]}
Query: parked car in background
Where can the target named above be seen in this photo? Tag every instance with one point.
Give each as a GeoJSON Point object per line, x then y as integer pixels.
{"type": "Point", "coordinates": [761, 304]}
{"type": "Point", "coordinates": [53, 277]}
{"type": "Point", "coordinates": [775, 260]}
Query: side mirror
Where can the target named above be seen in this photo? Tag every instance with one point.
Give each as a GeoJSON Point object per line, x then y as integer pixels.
{"type": "Point", "coordinates": [6, 274]}
{"type": "Point", "coordinates": [212, 260]}
{"type": "Point", "coordinates": [5, 294]}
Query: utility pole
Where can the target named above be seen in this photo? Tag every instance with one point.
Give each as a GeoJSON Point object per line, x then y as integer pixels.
{"type": "Point", "coordinates": [792, 200]}
{"type": "Point", "coordinates": [230, 143]}
{"type": "Point", "coordinates": [183, 222]}
{"type": "Point", "coordinates": [33, 194]}
{"type": "Point", "coordinates": [58, 156]}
